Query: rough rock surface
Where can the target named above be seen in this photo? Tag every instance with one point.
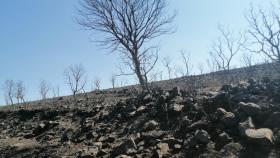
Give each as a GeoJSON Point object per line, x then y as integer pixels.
{"type": "Point", "coordinates": [263, 136]}
{"type": "Point", "coordinates": [239, 120]}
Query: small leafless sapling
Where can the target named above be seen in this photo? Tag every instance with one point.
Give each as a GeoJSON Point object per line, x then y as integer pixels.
{"type": "Point", "coordinates": [96, 83]}
{"type": "Point", "coordinates": [76, 79]}
{"type": "Point", "coordinates": [44, 89]}
{"type": "Point", "coordinates": [113, 80]}
{"type": "Point", "coordinates": [20, 92]}
{"type": "Point", "coordinates": [200, 67]}
{"type": "Point", "coordinates": [179, 71]}
{"type": "Point", "coordinates": [56, 91]}
{"type": "Point", "coordinates": [186, 61]}
{"type": "Point", "coordinates": [9, 91]}
{"type": "Point", "coordinates": [247, 59]}
{"type": "Point", "coordinates": [167, 63]}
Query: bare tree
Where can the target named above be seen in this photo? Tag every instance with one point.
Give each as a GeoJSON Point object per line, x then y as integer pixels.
{"type": "Point", "coordinates": [96, 83]}
{"type": "Point", "coordinates": [44, 89]}
{"type": "Point", "coordinates": [76, 79]}
{"type": "Point", "coordinates": [265, 32]}
{"type": "Point", "coordinates": [127, 26]}
{"type": "Point", "coordinates": [56, 91]}
{"type": "Point", "coordinates": [166, 61]}
{"type": "Point", "coordinates": [211, 64]}
{"type": "Point", "coordinates": [225, 48]}
{"type": "Point", "coordinates": [200, 68]}
{"type": "Point", "coordinates": [160, 75]}
{"type": "Point", "coordinates": [9, 91]}
{"type": "Point", "coordinates": [179, 71]}
{"type": "Point", "coordinates": [113, 80]}
{"type": "Point", "coordinates": [186, 61]}
{"type": "Point", "coordinates": [247, 59]}
{"type": "Point", "coordinates": [20, 92]}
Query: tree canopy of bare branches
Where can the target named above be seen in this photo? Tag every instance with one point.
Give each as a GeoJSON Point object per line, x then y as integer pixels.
{"type": "Point", "coordinates": [225, 48]}
{"type": "Point", "coordinates": [9, 91]}
{"type": "Point", "coordinates": [264, 32]}
{"type": "Point", "coordinates": [127, 26]}
{"type": "Point", "coordinates": [76, 79]}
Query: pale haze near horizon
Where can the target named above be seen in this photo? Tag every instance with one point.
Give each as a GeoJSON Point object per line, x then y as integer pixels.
{"type": "Point", "coordinates": [39, 39]}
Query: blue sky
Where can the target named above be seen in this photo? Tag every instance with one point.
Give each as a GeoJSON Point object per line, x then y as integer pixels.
{"type": "Point", "coordinates": [39, 39]}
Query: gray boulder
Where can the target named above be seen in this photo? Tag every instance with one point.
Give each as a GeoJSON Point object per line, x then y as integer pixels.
{"type": "Point", "coordinates": [127, 147]}
{"type": "Point", "coordinates": [262, 136]}
{"type": "Point", "coordinates": [227, 119]}
{"type": "Point", "coordinates": [162, 150]}
{"type": "Point", "coordinates": [250, 109]}
{"type": "Point", "coordinates": [150, 125]}
{"type": "Point", "coordinates": [202, 136]}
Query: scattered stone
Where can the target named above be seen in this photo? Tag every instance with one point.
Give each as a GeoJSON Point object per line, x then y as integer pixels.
{"type": "Point", "coordinates": [228, 119]}
{"type": "Point", "coordinates": [141, 109]}
{"type": "Point", "coordinates": [177, 146]}
{"type": "Point", "coordinates": [231, 150]}
{"type": "Point", "coordinates": [162, 150]}
{"type": "Point", "coordinates": [148, 98]}
{"type": "Point", "coordinates": [177, 108]}
{"type": "Point", "coordinates": [123, 156]}
{"type": "Point", "coordinates": [98, 144]}
{"type": "Point", "coordinates": [152, 135]}
{"type": "Point", "coordinates": [127, 147]}
{"type": "Point", "coordinates": [150, 125]}
{"type": "Point", "coordinates": [202, 136]}
{"type": "Point", "coordinates": [131, 114]}
{"type": "Point", "coordinates": [186, 121]}
{"type": "Point", "coordinates": [250, 109]}
{"type": "Point", "coordinates": [222, 140]}
{"type": "Point", "coordinates": [175, 92]}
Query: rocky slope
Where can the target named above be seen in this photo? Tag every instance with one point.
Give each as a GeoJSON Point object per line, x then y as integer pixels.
{"type": "Point", "coordinates": [241, 120]}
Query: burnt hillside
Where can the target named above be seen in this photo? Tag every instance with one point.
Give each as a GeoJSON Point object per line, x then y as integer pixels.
{"type": "Point", "coordinates": [239, 120]}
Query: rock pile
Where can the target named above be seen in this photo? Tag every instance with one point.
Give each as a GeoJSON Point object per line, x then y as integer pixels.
{"type": "Point", "coordinates": [240, 120]}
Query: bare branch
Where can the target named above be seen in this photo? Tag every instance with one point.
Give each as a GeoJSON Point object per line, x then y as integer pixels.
{"type": "Point", "coordinates": [264, 32]}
